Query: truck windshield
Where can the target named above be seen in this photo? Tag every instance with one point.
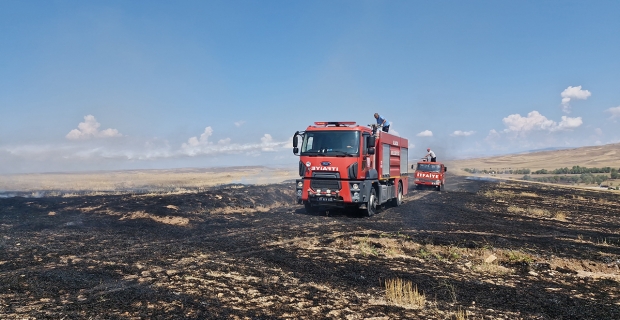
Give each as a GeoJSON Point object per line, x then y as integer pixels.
{"type": "Point", "coordinates": [331, 143]}
{"type": "Point", "coordinates": [429, 167]}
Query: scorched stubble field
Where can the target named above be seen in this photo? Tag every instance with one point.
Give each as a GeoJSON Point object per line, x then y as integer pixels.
{"type": "Point", "coordinates": [480, 250]}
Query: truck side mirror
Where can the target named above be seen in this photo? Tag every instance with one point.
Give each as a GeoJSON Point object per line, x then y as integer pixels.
{"type": "Point", "coordinates": [412, 166]}
{"type": "Point", "coordinates": [295, 140]}
{"type": "Point", "coordinates": [445, 169]}
{"type": "Point", "coordinates": [371, 141]}
{"type": "Point", "coordinates": [295, 150]}
{"type": "Point", "coordinates": [371, 150]}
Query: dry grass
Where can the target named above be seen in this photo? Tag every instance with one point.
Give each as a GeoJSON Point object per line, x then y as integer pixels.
{"type": "Point", "coordinates": [460, 314]}
{"type": "Point", "coordinates": [174, 181]}
{"type": "Point", "coordinates": [172, 220]}
{"type": "Point", "coordinates": [367, 247]}
{"type": "Point", "coordinates": [536, 212]}
{"type": "Point", "coordinates": [515, 209]}
{"type": "Point", "coordinates": [233, 210]}
{"type": "Point", "coordinates": [498, 194]}
{"type": "Point", "coordinates": [402, 293]}
{"type": "Point", "coordinates": [529, 194]}
{"type": "Point", "coordinates": [491, 268]}
{"type": "Point", "coordinates": [518, 256]}
{"type": "Point", "coordinates": [605, 202]}
{"type": "Point", "coordinates": [559, 215]}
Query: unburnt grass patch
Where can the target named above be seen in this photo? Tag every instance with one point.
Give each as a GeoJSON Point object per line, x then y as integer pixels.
{"type": "Point", "coordinates": [403, 293]}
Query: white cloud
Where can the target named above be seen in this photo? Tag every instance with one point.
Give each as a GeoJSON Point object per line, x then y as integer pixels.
{"type": "Point", "coordinates": [533, 121]}
{"type": "Point", "coordinates": [459, 133]}
{"type": "Point", "coordinates": [568, 123]}
{"type": "Point", "coordinates": [134, 152]}
{"type": "Point", "coordinates": [537, 122]}
{"type": "Point", "coordinates": [573, 93]}
{"type": "Point", "coordinates": [425, 133]}
{"type": "Point", "coordinates": [267, 142]}
{"type": "Point", "coordinates": [196, 142]}
{"type": "Point", "coordinates": [239, 123]}
{"type": "Point", "coordinates": [109, 133]}
{"type": "Point", "coordinates": [202, 146]}
{"type": "Point", "coordinates": [492, 136]}
{"type": "Point", "coordinates": [90, 129]}
{"type": "Point", "coordinates": [615, 112]}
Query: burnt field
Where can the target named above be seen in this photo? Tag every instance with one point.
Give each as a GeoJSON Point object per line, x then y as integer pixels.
{"type": "Point", "coordinates": [479, 250]}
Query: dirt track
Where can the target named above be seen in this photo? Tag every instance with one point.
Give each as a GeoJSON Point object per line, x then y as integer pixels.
{"type": "Point", "coordinates": [248, 252]}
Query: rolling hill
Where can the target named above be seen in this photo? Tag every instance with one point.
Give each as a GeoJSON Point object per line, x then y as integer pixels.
{"type": "Point", "coordinates": [592, 156]}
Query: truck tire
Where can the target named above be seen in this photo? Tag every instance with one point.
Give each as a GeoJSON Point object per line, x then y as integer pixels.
{"type": "Point", "coordinates": [371, 206]}
{"type": "Point", "coordinates": [399, 196]}
{"type": "Point", "coordinates": [310, 209]}
{"type": "Point", "coordinates": [439, 187]}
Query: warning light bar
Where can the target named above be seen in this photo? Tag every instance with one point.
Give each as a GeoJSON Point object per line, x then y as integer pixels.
{"type": "Point", "coordinates": [335, 123]}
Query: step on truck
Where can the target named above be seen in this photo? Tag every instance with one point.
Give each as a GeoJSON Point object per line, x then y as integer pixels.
{"type": "Point", "coordinates": [344, 165]}
{"type": "Point", "coordinates": [429, 175]}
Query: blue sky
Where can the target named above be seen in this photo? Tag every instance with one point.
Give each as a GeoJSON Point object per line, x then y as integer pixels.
{"type": "Point", "coordinates": [102, 85]}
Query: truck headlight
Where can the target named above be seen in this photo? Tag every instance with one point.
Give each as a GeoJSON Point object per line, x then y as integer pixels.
{"type": "Point", "coordinates": [356, 186]}
{"type": "Point", "coordinates": [299, 193]}
{"type": "Point", "coordinates": [437, 182]}
{"type": "Point", "coordinates": [300, 184]}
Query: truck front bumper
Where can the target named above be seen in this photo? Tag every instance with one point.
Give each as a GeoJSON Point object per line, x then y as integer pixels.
{"type": "Point", "coordinates": [353, 192]}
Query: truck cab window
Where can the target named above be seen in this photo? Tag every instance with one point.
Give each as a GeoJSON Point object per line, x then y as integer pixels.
{"type": "Point", "coordinates": [334, 142]}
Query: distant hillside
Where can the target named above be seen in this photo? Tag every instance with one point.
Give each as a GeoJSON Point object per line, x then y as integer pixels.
{"type": "Point", "coordinates": [594, 156]}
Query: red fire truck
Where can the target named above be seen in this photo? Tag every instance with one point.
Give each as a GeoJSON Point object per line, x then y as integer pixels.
{"type": "Point", "coordinates": [345, 165]}
{"type": "Point", "coordinates": [429, 175]}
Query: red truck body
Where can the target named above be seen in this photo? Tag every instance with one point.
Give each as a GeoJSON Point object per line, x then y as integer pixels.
{"type": "Point", "coordinates": [429, 175]}
{"type": "Point", "coordinates": [345, 165]}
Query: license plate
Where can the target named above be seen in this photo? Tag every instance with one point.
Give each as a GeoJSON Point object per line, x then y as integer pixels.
{"type": "Point", "coordinates": [325, 199]}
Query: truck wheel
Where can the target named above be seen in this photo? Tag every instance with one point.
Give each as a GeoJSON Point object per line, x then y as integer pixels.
{"type": "Point", "coordinates": [371, 206]}
{"type": "Point", "coordinates": [310, 209]}
{"type": "Point", "coordinates": [399, 197]}
{"type": "Point", "coordinates": [439, 187]}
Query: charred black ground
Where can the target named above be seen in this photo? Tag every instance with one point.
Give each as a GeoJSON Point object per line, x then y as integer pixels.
{"type": "Point", "coordinates": [490, 250]}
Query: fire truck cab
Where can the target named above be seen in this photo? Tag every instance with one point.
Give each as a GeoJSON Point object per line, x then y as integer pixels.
{"type": "Point", "coordinates": [344, 165]}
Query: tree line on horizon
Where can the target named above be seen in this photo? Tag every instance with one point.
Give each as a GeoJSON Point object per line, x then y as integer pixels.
{"type": "Point", "coordinates": [614, 173]}
{"type": "Point", "coordinates": [574, 175]}
{"type": "Point", "coordinates": [585, 178]}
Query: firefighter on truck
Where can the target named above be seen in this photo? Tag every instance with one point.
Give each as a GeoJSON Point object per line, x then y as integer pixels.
{"type": "Point", "coordinates": [344, 165]}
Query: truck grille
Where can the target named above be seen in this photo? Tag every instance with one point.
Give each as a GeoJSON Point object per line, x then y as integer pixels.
{"type": "Point", "coordinates": [325, 181]}
{"type": "Point", "coordinates": [325, 184]}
